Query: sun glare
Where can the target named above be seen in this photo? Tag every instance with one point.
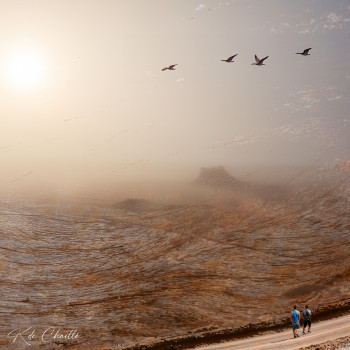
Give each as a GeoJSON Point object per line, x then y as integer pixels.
{"type": "Point", "coordinates": [25, 69]}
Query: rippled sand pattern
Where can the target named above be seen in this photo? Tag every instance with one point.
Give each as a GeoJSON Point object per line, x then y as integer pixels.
{"type": "Point", "coordinates": [123, 278]}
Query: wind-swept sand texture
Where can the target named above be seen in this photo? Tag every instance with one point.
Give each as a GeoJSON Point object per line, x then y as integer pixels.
{"type": "Point", "coordinates": [124, 277]}
{"type": "Point", "coordinates": [322, 332]}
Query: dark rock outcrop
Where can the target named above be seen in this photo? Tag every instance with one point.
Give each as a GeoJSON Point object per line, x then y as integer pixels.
{"type": "Point", "coordinates": [219, 177]}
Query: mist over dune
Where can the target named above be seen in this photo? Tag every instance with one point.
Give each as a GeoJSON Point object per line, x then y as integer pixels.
{"type": "Point", "coordinates": [175, 185]}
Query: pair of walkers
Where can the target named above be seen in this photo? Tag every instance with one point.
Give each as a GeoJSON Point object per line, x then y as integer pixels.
{"type": "Point", "coordinates": [295, 318]}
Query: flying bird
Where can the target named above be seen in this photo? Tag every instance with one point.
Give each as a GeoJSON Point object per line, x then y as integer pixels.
{"type": "Point", "coordinates": [170, 67]}
{"type": "Point", "coordinates": [229, 60]}
{"type": "Point", "coordinates": [305, 52]}
{"type": "Point", "coordinates": [259, 62]}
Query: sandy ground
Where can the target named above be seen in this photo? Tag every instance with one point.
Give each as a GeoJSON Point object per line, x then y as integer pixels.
{"type": "Point", "coordinates": [322, 332]}
{"type": "Point", "coordinates": [142, 274]}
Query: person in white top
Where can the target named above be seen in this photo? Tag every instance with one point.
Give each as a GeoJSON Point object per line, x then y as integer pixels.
{"type": "Point", "coordinates": [307, 319]}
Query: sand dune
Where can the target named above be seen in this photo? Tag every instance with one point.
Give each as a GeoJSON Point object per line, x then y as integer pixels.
{"type": "Point", "coordinates": [123, 279]}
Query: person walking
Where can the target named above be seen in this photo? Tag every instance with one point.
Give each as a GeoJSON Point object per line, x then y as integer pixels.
{"type": "Point", "coordinates": [307, 319]}
{"type": "Point", "coordinates": [295, 318]}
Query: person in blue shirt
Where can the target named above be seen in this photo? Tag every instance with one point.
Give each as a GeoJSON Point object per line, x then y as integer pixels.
{"type": "Point", "coordinates": [295, 318]}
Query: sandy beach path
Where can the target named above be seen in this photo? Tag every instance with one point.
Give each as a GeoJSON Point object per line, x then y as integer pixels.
{"type": "Point", "coordinates": [321, 332]}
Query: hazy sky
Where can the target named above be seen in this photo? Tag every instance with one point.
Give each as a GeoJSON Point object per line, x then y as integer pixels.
{"type": "Point", "coordinates": [83, 94]}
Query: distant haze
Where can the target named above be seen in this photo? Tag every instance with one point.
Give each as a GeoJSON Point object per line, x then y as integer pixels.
{"type": "Point", "coordinates": [102, 111]}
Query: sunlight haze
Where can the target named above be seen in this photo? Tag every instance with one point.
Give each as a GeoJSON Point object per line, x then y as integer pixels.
{"type": "Point", "coordinates": [83, 94]}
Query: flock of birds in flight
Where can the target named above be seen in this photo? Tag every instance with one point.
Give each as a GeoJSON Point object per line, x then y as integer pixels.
{"type": "Point", "coordinates": [258, 61]}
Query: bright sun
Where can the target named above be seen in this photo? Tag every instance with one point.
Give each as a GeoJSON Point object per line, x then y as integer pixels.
{"type": "Point", "coordinates": [25, 69]}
